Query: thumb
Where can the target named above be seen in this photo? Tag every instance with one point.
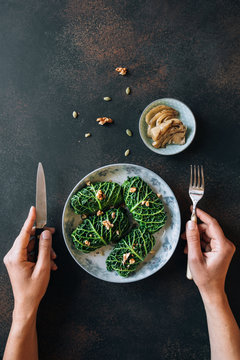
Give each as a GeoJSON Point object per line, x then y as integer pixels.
{"type": "Point", "coordinates": [193, 241]}
{"type": "Point", "coordinates": [44, 251]}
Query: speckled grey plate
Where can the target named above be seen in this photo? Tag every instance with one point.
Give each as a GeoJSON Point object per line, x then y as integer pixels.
{"type": "Point", "coordinates": [166, 238]}
{"type": "Point", "coordinates": [185, 115]}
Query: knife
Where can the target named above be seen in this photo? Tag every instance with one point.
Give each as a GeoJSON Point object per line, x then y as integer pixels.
{"type": "Point", "coordinates": [41, 205]}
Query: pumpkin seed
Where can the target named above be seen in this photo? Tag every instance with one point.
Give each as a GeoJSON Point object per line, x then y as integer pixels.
{"type": "Point", "coordinates": [128, 90]}
{"type": "Point", "coordinates": [127, 152]}
{"type": "Point", "coordinates": [107, 98]}
{"type": "Point", "coordinates": [128, 132]}
{"type": "Point", "coordinates": [75, 114]}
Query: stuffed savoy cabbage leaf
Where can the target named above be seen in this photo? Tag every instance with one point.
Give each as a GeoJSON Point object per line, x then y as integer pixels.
{"type": "Point", "coordinates": [130, 252]}
{"type": "Point", "coordinates": [146, 207]}
{"type": "Point", "coordinates": [98, 196]}
{"type": "Point", "coordinates": [97, 231]}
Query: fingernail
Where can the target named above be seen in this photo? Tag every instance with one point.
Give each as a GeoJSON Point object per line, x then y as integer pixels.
{"type": "Point", "coordinates": [191, 225]}
{"type": "Point", "coordinates": [46, 235]}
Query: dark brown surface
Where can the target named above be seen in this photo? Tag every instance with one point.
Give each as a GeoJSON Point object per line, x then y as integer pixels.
{"type": "Point", "coordinates": [60, 56]}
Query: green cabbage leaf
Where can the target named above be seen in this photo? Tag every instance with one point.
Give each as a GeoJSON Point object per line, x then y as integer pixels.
{"type": "Point", "coordinates": [87, 200]}
{"type": "Point", "coordinates": [146, 207]}
{"type": "Point", "coordinates": [92, 234]}
{"type": "Point", "coordinates": [130, 252]}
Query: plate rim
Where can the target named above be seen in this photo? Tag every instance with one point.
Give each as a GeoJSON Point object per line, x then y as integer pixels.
{"type": "Point", "coordinates": [129, 280]}
{"type": "Point", "coordinates": [158, 151]}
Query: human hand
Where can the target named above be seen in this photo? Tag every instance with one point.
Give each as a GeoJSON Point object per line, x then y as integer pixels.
{"type": "Point", "coordinates": [29, 279]}
{"type": "Point", "coordinates": [209, 254]}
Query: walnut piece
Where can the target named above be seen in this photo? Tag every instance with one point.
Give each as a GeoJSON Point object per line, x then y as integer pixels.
{"type": "Point", "coordinates": [88, 183]}
{"type": "Point", "coordinates": [117, 232]}
{"type": "Point", "coordinates": [84, 216]}
{"type": "Point", "coordinates": [147, 203]}
{"type": "Point", "coordinates": [133, 189]}
{"type": "Point", "coordinates": [121, 70]}
{"type": "Point", "coordinates": [104, 120]}
{"type": "Point", "coordinates": [113, 215]}
{"type": "Point", "coordinates": [131, 261]}
{"type": "Point", "coordinates": [125, 257]}
{"type": "Point", "coordinates": [107, 224]}
{"type": "Point", "coordinates": [99, 213]}
{"type": "Point", "coordinates": [86, 242]}
{"type": "Point", "coordinates": [100, 195]}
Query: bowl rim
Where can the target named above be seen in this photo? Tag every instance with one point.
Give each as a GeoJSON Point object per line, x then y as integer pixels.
{"type": "Point", "coordinates": [158, 151]}
{"type": "Point", "coordinates": [76, 187]}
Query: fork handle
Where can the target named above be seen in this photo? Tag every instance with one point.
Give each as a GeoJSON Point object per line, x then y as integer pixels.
{"type": "Point", "coordinates": [189, 274]}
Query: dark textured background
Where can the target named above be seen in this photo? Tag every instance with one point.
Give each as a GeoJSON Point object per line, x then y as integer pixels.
{"type": "Point", "coordinates": [59, 56]}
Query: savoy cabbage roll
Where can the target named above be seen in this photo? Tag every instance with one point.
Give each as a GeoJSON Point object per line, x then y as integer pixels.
{"type": "Point", "coordinates": [98, 196]}
{"type": "Point", "coordinates": [101, 229]}
{"type": "Point", "coordinates": [130, 252]}
{"type": "Point", "coordinates": [146, 207]}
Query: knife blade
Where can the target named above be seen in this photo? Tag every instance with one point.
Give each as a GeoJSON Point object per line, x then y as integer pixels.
{"type": "Point", "coordinates": [41, 204]}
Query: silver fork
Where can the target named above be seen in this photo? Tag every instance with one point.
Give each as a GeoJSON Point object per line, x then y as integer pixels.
{"type": "Point", "coordinates": [196, 192]}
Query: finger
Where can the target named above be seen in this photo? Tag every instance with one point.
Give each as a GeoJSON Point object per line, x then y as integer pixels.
{"type": "Point", "coordinates": [44, 252]}
{"type": "Point", "coordinates": [193, 241]}
{"type": "Point", "coordinates": [23, 238]}
{"type": "Point", "coordinates": [53, 254]}
{"type": "Point", "coordinates": [53, 265]}
{"type": "Point", "coordinates": [30, 246]}
{"type": "Point", "coordinates": [51, 229]}
{"type": "Point", "coordinates": [203, 216]}
{"type": "Point", "coordinates": [206, 238]}
{"type": "Point", "coordinates": [205, 246]}
{"type": "Point", "coordinates": [183, 236]}
{"type": "Point", "coordinates": [31, 257]}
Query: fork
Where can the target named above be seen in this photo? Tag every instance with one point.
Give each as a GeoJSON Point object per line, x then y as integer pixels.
{"type": "Point", "coordinates": [196, 192]}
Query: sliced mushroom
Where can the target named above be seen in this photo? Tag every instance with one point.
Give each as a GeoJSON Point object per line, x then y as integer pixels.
{"type": "Point", "coordinates": [154, 111]}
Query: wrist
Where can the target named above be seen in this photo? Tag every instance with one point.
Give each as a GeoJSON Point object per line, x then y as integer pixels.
{"type": "Point", "coordinates": [213, 297]}
{"type": "Point", "coordinates": [22, 315]}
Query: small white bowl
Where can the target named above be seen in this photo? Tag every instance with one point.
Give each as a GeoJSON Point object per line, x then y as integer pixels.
{"type": "Point", "coordinates": [185, 115]}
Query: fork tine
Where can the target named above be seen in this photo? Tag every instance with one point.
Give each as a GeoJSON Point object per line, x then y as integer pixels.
{"type": "Point", "coordinates": [198, 176]}
{"type": "Point", "coordinates": [190, 185]}
{"type": "Point", "coordinates": [194, 181]}
{"type": "Point", "coordinates": [202, 176]}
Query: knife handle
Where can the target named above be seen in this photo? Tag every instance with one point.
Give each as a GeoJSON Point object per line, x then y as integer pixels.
{"type": "Point", "coordinates": [37, 236]}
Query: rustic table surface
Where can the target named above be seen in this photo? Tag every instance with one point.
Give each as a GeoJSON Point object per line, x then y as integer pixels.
{"type": "Point", "coordinates": [60, 56]}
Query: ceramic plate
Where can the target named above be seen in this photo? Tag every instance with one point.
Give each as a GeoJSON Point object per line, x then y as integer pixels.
{"type": "Point", "coordinates": [166, 238]}
{"type": "Point", "coordinates": [185, 115]}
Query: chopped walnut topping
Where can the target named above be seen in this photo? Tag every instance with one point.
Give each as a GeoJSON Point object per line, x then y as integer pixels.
{"type": "Point", "coordinates": [143, 202]}
{"type": "Point", "coordinates": [104, 120]}
{"type": "Point", "coordinates": [107, 224]}
{"type": "Point", "coordinates": [121, 70]}
{"type": "Point", "coordinates": [88, 183]}
{"type": "Point", "coordinates": [99, 213]}
{"type": "Point", "coordinates": [147, 203]}
{"type": "Point", "coordinates": [84, 216]}
{"type": "Point", "coordinates": [125, 257]}
{"type": "Point", "coordinates": [133, 190]}
{"type": "Point", "coordinates": [131, 261]}
{"type": "Point", "coordinates": [90, 235]}
{"type": "Point", "coordinates": [100, 195]}
{"type": "Point", "coordinates": [117, 232]}
{"type": "Point", "coordinates": [113, 215]}
{"type": "Point", "coordinates": [86, 242]}
{"type": "Point", "coordinates": [159, 195]}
